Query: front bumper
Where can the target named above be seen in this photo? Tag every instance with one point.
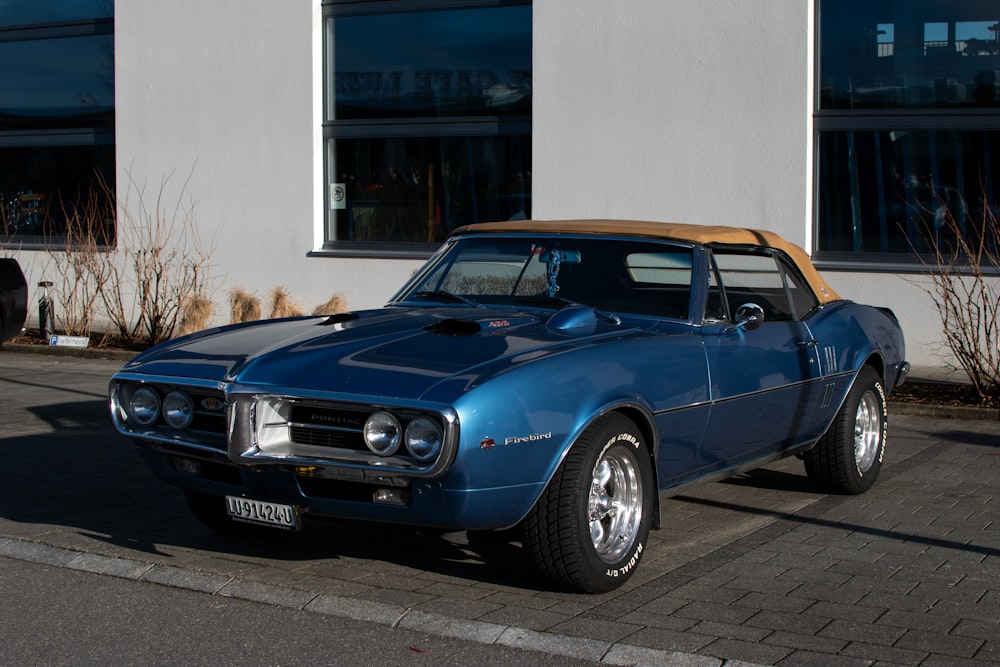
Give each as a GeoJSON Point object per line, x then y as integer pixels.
{"type": "Point", "coordinates": [902, 372]}
{"type": "Point", "coordinates": [417, 502]}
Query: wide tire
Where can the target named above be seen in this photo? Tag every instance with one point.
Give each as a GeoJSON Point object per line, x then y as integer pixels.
{"type": "Point", "coordinates": [588, 530]}
{"type": "Point", "coordinates": [848, 457]}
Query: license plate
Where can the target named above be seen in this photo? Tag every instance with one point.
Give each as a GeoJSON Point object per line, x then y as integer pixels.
{"type": "Point", "coordinates": [247, 510]}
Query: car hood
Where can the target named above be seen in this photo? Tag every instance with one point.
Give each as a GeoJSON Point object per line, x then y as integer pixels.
{"type": "Point", "coordinates": [392, 352]}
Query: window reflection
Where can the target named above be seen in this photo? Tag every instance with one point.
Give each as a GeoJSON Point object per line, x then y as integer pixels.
{"type": "Point", "coordinates": [57, 83]}
{"type": "Point", "coordinates": [24, 12]}
{"type": "Point", "coordinates": [890, 54]}
{"type": "Point", "coordinates": [419, 190]}
{"type": "Point", "coordinates": [893, 191]}
{"type": "Point", "coordinates": [427, 120]}
{"type": "Point", "coordinates": [56, 116]}
{"type": "Point", "coordinates": [445, 63]}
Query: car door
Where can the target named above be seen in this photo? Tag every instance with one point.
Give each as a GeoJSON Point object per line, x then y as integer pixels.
{"type": "Point", "coordinates": [764, 375]}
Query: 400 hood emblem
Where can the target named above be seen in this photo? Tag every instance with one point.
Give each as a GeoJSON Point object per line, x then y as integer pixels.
{"type": "Point", "coordinates": [489, 443]}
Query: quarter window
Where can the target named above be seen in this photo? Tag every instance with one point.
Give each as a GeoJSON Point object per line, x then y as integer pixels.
{"type": "Point", "coordinates": [761, 277]}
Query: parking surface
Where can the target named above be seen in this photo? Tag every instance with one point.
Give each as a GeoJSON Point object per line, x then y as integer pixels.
{"type": "Point", "coordinates": [758, 569]}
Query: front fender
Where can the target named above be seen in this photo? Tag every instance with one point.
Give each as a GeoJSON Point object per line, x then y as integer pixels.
{"type": "Point", "coordinates": [517, 428]}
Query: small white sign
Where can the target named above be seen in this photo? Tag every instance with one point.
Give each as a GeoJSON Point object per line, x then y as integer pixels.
{"type": "Point", "coordinates": [69, 341]}
{"type": "Point", "coordinates": [338, 196]}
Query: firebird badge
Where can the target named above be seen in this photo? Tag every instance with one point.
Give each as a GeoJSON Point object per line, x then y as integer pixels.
{"type": "Point", "coordinates": [487, 443]}
{"type": "Point", "coordinates": [534, 437]}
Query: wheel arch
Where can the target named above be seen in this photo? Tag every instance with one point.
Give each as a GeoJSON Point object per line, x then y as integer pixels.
{"type": "Point", "coordinates": [643, 420]}
{"type": "Point", "coordinates": [877, 363]}
{"type": "Point", "coordinates": [636, 413]}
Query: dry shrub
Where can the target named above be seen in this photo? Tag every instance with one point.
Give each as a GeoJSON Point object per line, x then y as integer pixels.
{"type": "Point", "coordinates": [245, 306]}
{"type": "Point", "coordinates": [196, 314]}
{"type": "Point", "coordinates": [81, 259]}
{"type": "Point", "coordinates": [962, 265]}
{"type": "Point", "coordinates": [161, 259]}
{"type": "Point", "coordinates": [282, 304]}
{"type": "Point", "coordinates": [336, 304]}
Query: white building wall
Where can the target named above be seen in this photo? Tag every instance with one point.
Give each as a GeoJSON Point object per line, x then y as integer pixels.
{"type": "Point", "coordinates": [690, 111]}
{"type": "Point", "coordinates": [228, 93]}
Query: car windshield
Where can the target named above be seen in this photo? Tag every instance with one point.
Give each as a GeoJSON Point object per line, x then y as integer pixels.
{"type": "Point", "coordinates": [618, 276]}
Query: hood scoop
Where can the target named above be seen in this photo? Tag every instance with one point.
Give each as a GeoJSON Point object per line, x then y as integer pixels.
{"type": "Point", "coordinates": [339, 318]}
{"type": "Point", "coordinates": [574, 320]}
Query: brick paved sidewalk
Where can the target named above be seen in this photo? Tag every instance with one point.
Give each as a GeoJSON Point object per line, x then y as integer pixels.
{"type": "Point", "coordinates": [757, 569]}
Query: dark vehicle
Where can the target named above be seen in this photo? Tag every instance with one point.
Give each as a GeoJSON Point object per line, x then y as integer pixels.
{"type": "Point", "coordinates": [554, 377]}
{"type": "Point", "coordinates": [13, 299]}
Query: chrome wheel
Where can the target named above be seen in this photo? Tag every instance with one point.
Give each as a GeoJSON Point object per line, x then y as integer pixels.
{"type": "Point", "coordinates": [867, 431]}
{"type": "Point", "coordinates": [615, 505]}
{"type": "Point", "coordinates": [588, 529]}
{"type": "Point", "coordinates": [848, 457]}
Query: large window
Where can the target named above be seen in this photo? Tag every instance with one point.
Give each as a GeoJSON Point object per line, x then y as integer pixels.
{"type": "Point", "coordinates": [56, 113]}
{"type": "Point", "coordinates": [908, 122]}
{"type": "Point", "coordinates": [427, 120]}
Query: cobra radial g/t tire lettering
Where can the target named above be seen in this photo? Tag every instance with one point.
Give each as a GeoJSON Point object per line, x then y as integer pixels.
{"type": "Point", "coordinates": [589, 529]}
{"type": "Point", "coordinates": [848, 457]}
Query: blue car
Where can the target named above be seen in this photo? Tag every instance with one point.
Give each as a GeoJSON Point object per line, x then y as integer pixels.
{"type": "Point", "coordinates": [555, 377]}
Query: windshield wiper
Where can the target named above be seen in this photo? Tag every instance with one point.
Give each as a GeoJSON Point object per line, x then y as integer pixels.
{"type": "Point", "coordinates": [543, 299]}
{"type": "Point", "coordinates": [441, 295]}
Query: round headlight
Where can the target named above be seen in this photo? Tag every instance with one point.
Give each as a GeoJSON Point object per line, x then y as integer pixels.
{"type": "Point", "coordinates": [423, 438]}
{"type": "Point", "coordinates": [383, 434]}
{"type": "Point", "coordinates": [144, 406]}
{"type": "Point", "coordinates": [178, 410]}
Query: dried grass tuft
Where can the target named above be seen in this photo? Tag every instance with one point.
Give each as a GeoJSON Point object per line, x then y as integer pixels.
{"type": "Point", "coordinates": [282, 304]}
{"type": "Point", "coordinates": [245, 306]}
{"type": "Point", "coordinates": [197, 313]}
{"type": "Point", "coordinates": [336, 304]}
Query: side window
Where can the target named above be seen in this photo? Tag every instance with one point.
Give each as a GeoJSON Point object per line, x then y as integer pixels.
{"type": "Point", "coordinates": [802, 297]}
{"type": "Point", "coordinates": [762, 277]}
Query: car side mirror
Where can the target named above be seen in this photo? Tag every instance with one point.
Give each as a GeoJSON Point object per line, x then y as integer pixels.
{"type": "Point", "coordinates": [749, 316]}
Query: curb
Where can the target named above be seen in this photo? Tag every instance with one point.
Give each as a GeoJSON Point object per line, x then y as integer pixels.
{"type": "Point", "coordinates": [481, 632]}
{"type": "Point", "coordinates": [78, 352]}
{"type": "Point", "coordinates": [944, 411]}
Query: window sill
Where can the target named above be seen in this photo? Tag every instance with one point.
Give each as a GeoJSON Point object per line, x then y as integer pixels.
{"type": "Point", "coordinates": [421, 251]}
{"type": "Point", "coordinates": [879, 263]}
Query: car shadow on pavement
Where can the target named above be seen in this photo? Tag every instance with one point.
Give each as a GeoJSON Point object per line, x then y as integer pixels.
{"type": "Point", "coordinates": [74, 474]}
{"type": "Point", "coordinates": [774, 480]}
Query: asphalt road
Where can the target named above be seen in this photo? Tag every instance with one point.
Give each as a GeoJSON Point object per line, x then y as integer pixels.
{"type": "Point", "coordinates": [56, 616]}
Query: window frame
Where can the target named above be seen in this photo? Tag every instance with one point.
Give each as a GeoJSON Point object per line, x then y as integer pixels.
{"type": "Point", "coordinates": [924, 119]}
{"type": "Point", "coordinates": [791, 279]}
{"type": "Point", "coordinates": [469, 127]}
{"type": "Point", "coordinates": [70, 136]}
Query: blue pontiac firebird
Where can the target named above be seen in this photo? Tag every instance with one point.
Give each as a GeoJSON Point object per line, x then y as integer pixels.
{"type": "Point", "coordinates": [558, 377]}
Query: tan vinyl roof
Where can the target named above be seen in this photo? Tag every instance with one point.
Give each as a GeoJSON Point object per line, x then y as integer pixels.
{"type": "Point", "coordinates": [697, 234]}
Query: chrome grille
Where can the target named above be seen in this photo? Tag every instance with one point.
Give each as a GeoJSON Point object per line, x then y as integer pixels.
{"type": "Point", "coordinates": [205, 420]}
{"type": "Point", "coordinates": [328, 427]}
